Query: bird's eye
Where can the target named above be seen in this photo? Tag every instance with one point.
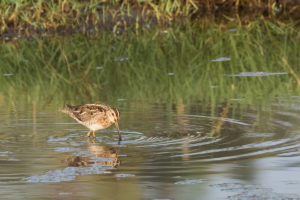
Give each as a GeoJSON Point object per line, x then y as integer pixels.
{"type": "Point", "coordinates": [113, 114]}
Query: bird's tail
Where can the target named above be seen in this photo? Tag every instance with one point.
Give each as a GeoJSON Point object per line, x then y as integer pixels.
{"type": "Point", "coordinates": [67, 109]}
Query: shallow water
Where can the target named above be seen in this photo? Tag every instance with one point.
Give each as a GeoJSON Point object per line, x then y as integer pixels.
{"type": "Point", "coordinates": [205, 114]}
{"type": "Point", "coordinates": [177, 152]}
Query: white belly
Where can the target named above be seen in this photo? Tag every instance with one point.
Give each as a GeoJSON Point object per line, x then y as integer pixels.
{"type": "Point", "coordinates": [95, 127]}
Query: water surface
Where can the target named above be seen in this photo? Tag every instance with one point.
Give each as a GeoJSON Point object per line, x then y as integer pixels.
{"type": "Point", "coordinates": [166, 153]}
{"type": "Point", "coordinates": [205, 114]}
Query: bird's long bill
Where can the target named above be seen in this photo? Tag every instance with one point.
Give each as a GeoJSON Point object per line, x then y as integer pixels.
{"type": "Point", "coordinates": [117, 126]}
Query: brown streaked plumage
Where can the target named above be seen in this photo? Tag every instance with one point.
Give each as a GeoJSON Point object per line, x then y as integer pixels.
{"type": "Point", "coordinates": [94, 116]}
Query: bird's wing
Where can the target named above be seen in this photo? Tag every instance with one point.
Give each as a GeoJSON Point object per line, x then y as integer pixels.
{"type": "Point", "coordinates": [89, 111]}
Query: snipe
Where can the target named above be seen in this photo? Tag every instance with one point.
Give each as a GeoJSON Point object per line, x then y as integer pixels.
{"type": "Point", "coordinates": [94, 116]}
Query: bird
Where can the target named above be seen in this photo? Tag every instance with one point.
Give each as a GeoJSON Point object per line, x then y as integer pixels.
{"type": "Point", "coordinates": [94, 116]}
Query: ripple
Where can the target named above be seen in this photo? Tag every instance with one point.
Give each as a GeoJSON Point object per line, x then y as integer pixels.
{"type": "Point", "coordinates": [190, 181]}
{"type": "Point", "coordinates": [233, 121]}
{"type": "Point", "coordinates": [258, 135]}
{"type": "Point", "coordinates": [64, 193]}
{"type": "Point", "coordinates": [124, 175]}
{"type": "Point", "coordinates": [168, 143]}
{"type": "Point", "coordinates": [271, 145]}
{"type": "Point", "coordinates": [5, 153]}
{"type": "Point", "coordinates": [61, 139]}
{"type": "Point", "coordinates": [128, 137]}
{"type": "Point", "coordinates": [66, 149]}
{"type": "Point", "coordinates": [252, 192]}
{"type": "Point", "coordinates": [7, 156]}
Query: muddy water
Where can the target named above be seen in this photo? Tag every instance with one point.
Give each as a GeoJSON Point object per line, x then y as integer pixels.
{"type": "Point", "coordinates": [168, 152]}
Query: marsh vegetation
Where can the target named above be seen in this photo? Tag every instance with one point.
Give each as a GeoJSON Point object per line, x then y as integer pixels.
{"type": "Point", "coordinates": [28, 17]}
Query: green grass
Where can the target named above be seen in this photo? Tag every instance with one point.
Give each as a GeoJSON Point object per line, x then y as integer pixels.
{"type": "Point", "coordinates": [29, 17]}
{"type": "Point", "coordinates": [63, 69]}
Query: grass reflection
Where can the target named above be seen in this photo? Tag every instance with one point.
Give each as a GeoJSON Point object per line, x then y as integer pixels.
{"type": "Point", "coordinates": [182, 65]}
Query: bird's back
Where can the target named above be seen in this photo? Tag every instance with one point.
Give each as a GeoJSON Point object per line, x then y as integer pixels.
{"type": "Point", "coordinates": [86, 113]}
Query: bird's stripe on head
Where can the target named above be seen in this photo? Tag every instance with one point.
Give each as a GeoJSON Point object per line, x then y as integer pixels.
{"type": "Point", "coordinates": [117, 112]}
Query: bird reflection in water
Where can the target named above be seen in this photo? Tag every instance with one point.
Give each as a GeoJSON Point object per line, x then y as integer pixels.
{"type": "Point", "coordinates": [96, 154]}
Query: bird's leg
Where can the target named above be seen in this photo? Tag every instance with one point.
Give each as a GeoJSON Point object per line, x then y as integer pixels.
{"type": "Point", "coordinates": [89, 133]}
{"type": "Point", "coordinates": [91, 141]}
{"type": "Point", "coordinates": [94, 134]}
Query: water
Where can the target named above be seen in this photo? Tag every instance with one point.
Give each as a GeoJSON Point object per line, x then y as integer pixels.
{"type": "Point", "coordinates": [205, 114]}
{"type": "Point", "coordinates": [177, 152]}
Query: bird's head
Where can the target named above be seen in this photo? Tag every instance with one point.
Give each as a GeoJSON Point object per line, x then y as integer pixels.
{"type": "Point", "coordinates": [114, 115]}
